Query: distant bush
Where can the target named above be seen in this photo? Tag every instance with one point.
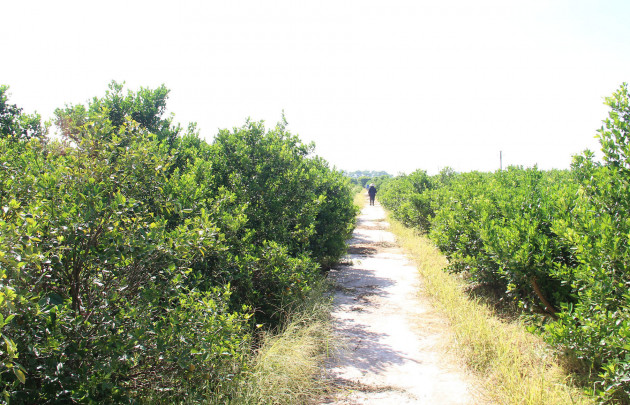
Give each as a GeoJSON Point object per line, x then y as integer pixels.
{"type": "Point", "coordinates": [407, 198]}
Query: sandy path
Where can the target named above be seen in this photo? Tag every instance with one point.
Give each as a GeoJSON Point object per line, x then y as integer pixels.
{"type": "Point", "coordinates": [393, 339]}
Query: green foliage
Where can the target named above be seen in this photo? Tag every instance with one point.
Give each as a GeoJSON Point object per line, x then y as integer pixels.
{"type": "Point", "coordinates": [360, 179]}
{"type": "Point", "coordinates": [270, 173]}
{"type": "Point", "coordinates": [133, 257]}
{"type": "Point", "coordinates": [146, 107]}
{"type": "Point", "coordinates": [519, 208]}
{"type": "Point", "coordinates": [335, 219]}
{"type": "Point", "coordinates": [496, 227]}
{"type": "Point", "coordinates": [16, 125]}
{"type": "Point", "coordinates": [102, 285]}
{"type": "Point", "coordinates": [357, 174]}
{"type": "Point", "coordinates": [596, 328]}
{"type": "Point", "coordinates": [291, 198]}
{"type": "Point", "coordinates": [407, 198]}
{"type": "Point", "coordinates": [456, 228]}
{"type": "Point", "coordinates": [556, 242]}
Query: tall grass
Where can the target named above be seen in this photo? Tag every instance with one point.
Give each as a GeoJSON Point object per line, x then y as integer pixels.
{"type": "Point", "coordinates": [287, 367]}
{"type": "Point", "coordinates": [515, 366]}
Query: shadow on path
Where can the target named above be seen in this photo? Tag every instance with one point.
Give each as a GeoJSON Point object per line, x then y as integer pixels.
{"type": "Point", "coordinates": [365, 349]}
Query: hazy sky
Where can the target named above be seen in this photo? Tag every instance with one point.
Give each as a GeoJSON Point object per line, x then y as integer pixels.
{"type": "Point", "coordinates": [377, 85]}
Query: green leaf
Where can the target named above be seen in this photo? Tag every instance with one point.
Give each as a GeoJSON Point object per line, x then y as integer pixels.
{"type": "Point", "coordinates": [20, 375]}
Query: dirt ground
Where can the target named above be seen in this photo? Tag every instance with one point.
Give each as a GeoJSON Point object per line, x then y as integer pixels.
{"type": "Point", "coordinates": [394, 345]}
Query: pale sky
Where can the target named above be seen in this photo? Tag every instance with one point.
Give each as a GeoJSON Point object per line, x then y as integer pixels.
{"type": "Point", "coordinates": [377, 85]}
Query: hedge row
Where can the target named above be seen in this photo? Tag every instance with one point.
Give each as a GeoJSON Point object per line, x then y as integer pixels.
{"type": "Point", "coordinates": [136, 258]}
{"type": "Point", "coordinates": [556, 242]}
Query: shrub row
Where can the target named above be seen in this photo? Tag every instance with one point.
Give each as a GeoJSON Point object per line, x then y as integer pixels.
{"type": "Point", "coordinates": [556, 242]}
{"type": "Point", "coordinates": [135, 257]}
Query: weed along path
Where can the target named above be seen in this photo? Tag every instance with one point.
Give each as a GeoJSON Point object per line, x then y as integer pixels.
{"type": "Point", "coordinates": [392, 340]}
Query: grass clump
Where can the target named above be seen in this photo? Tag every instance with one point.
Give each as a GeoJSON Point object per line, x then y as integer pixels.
{"type": "Point", "coordinates": [287, 366]}
{"type": "Point", "coordinates": [515, 366]}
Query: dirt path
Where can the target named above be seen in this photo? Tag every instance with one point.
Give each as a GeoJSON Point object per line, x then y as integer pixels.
{"type": "Point", "coordinates": [394, 350]}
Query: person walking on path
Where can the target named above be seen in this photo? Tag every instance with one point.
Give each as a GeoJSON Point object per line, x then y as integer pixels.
{"type": "Point", "coordinates": [372, 193]}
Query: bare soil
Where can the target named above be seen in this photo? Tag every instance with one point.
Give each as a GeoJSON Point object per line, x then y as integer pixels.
{"type": "Point", "coordinates": [394, 344]}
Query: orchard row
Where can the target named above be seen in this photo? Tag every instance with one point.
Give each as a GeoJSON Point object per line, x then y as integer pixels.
{"type": "Point", "coordinates": [555, 242]}
{"type": "Point", "coordinates": [136, 259]}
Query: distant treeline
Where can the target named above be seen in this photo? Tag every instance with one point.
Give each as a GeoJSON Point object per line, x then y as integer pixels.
{"type": "Point", "coordinates": [557, 243]}
{"type": "Point", "coordinates": [366, 173]}
{"type": "Point", "coordinates": [361, 178]}
{"type": "Point", "coordinates": [137, 259]}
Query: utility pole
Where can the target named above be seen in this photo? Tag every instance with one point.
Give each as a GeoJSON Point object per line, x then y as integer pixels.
{"type": "Point", "coordinates": [501, 160]}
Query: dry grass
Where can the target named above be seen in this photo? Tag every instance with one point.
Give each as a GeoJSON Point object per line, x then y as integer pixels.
{"type": "Point", "coordinates": [361, 199]}
{"type": "Point", "coordinates": [287, 367]}
{"type": "Point", "coordinates": [515, 366]}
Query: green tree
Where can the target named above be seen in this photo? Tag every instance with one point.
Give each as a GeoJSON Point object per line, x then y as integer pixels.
{"type": "Point", "coordinates": [269, 171]}
{"type": "Point", "coordinates": [16, 125]}
{"type": "Point", "coordinates": [596, 329]}
{"type": "Point", "coordinates": [145, 106]}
